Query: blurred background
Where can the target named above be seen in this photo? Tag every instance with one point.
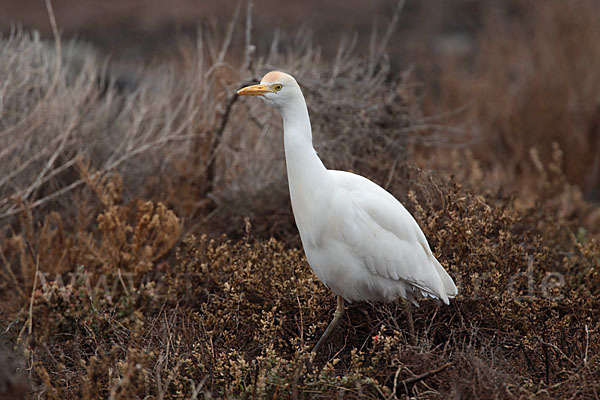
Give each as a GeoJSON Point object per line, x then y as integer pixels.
{"type": "Point", "coordinates": [145, 28]}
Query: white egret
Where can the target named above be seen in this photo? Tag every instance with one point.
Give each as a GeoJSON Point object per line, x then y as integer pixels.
{"type": "Point", "coordinates": [359, 240]}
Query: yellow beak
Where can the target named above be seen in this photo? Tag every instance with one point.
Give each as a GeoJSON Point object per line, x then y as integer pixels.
{"type": "Point", "coordinates": [254, 90]}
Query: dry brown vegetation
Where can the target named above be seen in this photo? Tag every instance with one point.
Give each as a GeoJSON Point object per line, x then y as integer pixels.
{"type": "Point", "coordinates": [148, 248]}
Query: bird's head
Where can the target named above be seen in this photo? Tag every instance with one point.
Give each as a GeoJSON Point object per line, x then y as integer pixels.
{"type": "Point", "coordinates": [276, 88]}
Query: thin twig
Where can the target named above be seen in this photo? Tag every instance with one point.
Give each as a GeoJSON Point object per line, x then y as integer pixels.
{"type": "Point", "coordinates": [411, 381]}
{"type": "Point", "coordinates": [380, 51]}
{"type": "Point", "coordinates": [390, 175]}
{"type": "Point", "coordinates": [249, 48]}
{"type": "Point", "coordinates": [587, 343]}
{"type": "Point", "coordinates": [58, 46]}
{"type": "Point", "coordinates": [29, 324]}
{"type": "Point", "coordinates": [229, 35]}
{"type": "Point", "coordinates": [57, 152]}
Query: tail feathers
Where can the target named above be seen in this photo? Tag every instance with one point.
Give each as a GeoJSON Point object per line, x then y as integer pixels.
{"type": "Point", "coordinates": [442, 289]}
{"type": "Point", "coordinates": [433, 293]}
{"type": "Point", "coordinates": [449, 286]}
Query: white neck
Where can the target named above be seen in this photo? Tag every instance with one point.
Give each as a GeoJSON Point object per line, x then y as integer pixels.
{"type": "Point", "coordinates": [301, 158]}
{"type": "Point", "coordinates": [306, 173]}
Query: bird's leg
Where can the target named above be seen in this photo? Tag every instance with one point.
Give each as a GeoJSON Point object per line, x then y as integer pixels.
{"type": "Point", "coordinates": [411, 325]}
{"type": "Point", "coordinates": [337, 316]}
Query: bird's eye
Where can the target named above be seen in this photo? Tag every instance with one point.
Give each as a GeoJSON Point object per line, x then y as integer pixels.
{"type": "Point", "coordinates": [277, 87]}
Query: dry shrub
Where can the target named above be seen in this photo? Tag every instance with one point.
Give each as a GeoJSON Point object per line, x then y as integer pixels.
{"type": "Point", "coordinates": [133, 236]}
{"type": "Point", "coordinates": [236, 319]}
{"type": "Point", "coordinates": [44, 247]}
{"type": "Point", "coordinates": [128, 238]}
{"type": "Point", "coordinates": [61, 105]}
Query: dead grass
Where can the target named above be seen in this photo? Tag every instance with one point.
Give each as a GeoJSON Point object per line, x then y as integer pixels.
{"type": "Point", "coordinates": [111, 288]}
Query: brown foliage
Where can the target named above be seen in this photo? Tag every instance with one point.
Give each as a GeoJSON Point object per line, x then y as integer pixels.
{"type": "Point", "coordinates": [234, 319]}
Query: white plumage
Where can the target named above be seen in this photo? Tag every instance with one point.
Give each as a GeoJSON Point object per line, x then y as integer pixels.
{"type": "Point", "coordinates": [359, 240]}
{"type": "Point", "coordinates": [366, 246]}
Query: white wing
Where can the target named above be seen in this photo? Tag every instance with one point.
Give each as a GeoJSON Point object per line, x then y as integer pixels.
{"type": "Point", "coordinates": [385, 236]}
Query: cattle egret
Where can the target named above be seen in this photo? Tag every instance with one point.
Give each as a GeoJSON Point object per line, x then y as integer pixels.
{"type": "Point", "coordinates": [359, 240]}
